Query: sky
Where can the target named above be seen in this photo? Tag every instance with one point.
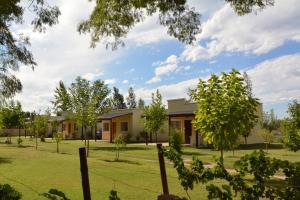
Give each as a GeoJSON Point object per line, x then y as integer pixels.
{"type": "Point", "coordinates": [265, 44]}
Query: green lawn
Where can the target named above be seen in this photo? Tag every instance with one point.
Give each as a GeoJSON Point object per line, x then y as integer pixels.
{"type": "Point", "coordinates": [33, 172]}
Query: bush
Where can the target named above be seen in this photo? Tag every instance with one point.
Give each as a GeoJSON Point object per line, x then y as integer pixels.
{"type": "Point", "coordinates": [176, 139]}
{"type": "Point", "coordinates": [119, 142]}
{"type": "Point", "coordinates": [113, 195]}
{"type": "Point", "coordinates": [8, 140]}
{"type": "Point", "coordinates": [55, 194]}
{"type": "Point", "coordinates": [144, 135]}
{"type": "Point", "coordinates": [126, 137]}
{"type": "Point", "coordinates": [9, 193]}
{"type": "Point", "coordinates": [19, 141]}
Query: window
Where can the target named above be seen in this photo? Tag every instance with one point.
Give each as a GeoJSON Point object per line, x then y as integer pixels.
{"type": "Point", "coordinates": [124, 126]}
{"type": "Point", "coordinates": [105, 126]}
{"type": "Point", "coordinates": [175, 125]}
{"type": "Point", "coordinates": [63, 127]}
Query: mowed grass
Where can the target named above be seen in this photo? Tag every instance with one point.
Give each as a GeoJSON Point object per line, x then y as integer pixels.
{"type": "Point", "coordinates": [136, 176]}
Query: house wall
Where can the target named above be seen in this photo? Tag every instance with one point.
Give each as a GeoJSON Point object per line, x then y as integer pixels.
{"type": "Point", "coordinates": [178, 105]}
{"type": "Point", "coordinates": [12, 132]}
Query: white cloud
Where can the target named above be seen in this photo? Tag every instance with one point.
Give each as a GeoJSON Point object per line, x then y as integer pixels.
{"type": "Point", "coordinates": [125, 81]}
{"type": "Point", "coordinates": [62, 54]}
{"type": "Point", "coordinates": [277, 80]}
{"type": "Point", "coordinates": [92, 76]}
{"type": "Point", "coordinates": [253, 33]}
{"type": "Point", "coordinates": [154, 79]}
{"type": "Point", "coordinates": [110, 81]}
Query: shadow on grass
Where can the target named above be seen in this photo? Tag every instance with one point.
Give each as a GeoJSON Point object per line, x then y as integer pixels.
{"type": "Point", "coordinates": [5, 160]}
{"type": "Point", "coordinates": [260, 146]}
{"type": "Point", "coordinates": [122, 161]}
{"type": "Point", "coordinates": [123, 148]}
{"type": "Point", "coordinates": [194, 154]}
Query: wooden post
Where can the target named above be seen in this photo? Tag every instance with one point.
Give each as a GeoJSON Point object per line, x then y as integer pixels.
{"type": "Point", "coordinates": [84, 174]}
{"type": "Point", "coordinates": [162, 167]}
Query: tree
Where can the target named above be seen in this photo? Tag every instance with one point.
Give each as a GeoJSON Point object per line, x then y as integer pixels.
{"type": "Point", "coordinates": [62, 99]}
{"type": "Point", "coordinates": [14, 47]}
{"type": "Point", "coordinates": [224, 109]}
{"type": "Point", "coordinates": [141, 103]}
{"type": "Point", "coordinates": [111, 21]}
{"type": "Point", "coordinates": [269, 124]}
{"type": "Point", "coordinates": [12, 116]}
{"type": "Point", "coordinates": [117, 100]}
{"type": "Point", "coordinates": [291, 127]}
{"type": "Point", "coordinates": [58, 136]}
{"type": "Point", "coordinates": [249, 93]}
{"type": "Point", "coordinates": [41, 126]}
{"type": "Point", "coordinates": [155, 115]}
{"type": "Point", "coordinates": [131, 102]}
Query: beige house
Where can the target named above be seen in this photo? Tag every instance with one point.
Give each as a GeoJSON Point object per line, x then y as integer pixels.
{"type": "Point", "coordinates": [181, 114]}
{"type": "Point", "coordinates": [126, 122]}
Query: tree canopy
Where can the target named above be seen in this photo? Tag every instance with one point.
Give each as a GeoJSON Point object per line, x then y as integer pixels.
{"type": "Point", "coordinates": [62, 99]}
{"type": "Point", "coordinates": [111, 21]}
{"type": "Point", "coordinates": [131, 102]}
{"type": "Point", "coordinates": [117, 99]}
{"type": "Point", "coordinates": [224, 109]}
{"type": "Point", "coordinates": [12, 115]}
{"type": "Point", "coordinates": [14, 47]}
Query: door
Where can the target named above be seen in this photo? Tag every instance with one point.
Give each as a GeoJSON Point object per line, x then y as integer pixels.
{"type": "Point", "coordinates": [187, 131]}
{"type": "Point", "coordinates": [114, 130]}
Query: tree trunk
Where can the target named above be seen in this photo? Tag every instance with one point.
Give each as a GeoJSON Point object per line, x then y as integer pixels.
{"type": "Point", "coordinates": [147, 138]}
{"type": "Point", "coordinates": [222, 157]}
{"type": "Point", "coordinates": [84, 135]}
{"type": "Point", "coordinates": [36, 142]}
{"type": "Point", "coordinates": [150, 137]}
{"type": "Point", "coordinates": [156, 137]}
{"type": "Point", "coordinates": [95, 133]}
{"type": "Point", "coordinates": [19, 132]}
{"type": "Point", "coordinates": [57, 150]}
{"type": "Point", "coordinates": [245, 139]}
{"type": "Point", "coordinates": [81, 133]}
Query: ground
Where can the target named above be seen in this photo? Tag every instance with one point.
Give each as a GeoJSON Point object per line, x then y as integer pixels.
{"type": "Point", "coordinates": [137, 176]}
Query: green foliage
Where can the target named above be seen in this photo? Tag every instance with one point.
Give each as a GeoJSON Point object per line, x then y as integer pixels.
{"type": "Point", "coordinates": [176, 139]}
{"type": "Point", "coordinates": [267, 136]}
{"type": "Point", "coordinates": [62, 99]}
{"type": "Point", "coordinates": [19, 141]}
{"type": "Point", "coordinates": [13, 46]}
{"type": "Point", "coordinates": [154, 115]}
{"type": "Point", "coordinates": [58, 136]}
{"type": "Point", "coordinates": [256, 165]}
{"type": "Point", "coordinates": [113, 195]}
{"type": "Point", "coordinates": [12, 116]}
{"type": "Point", "coordinates": [9, 193]}
{"type": "Point", "coordinates": [225, 110]}
{"type": "Point", "coordinates": [119, 143]}
{"type": "Point", "coordinates": [55, 194]}
{"type": "Point", "coordinates": [111, 21]}
{"type": "Point", "coordinates": [270, 122]}
{"type": "Point", "coordinates": [291, 127]}
{"type": "Point", "coordinates": [118, 100]}
{"type": "Point", "coordinates": [141, 103]}
{"type": "Point", "coordinates": [131, 102]}
{"type": "Point", "coordinates": [41, 125]}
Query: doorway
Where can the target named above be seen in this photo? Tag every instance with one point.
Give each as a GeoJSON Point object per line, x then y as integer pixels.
{"type": "Point", "coordinates": [187, 131]}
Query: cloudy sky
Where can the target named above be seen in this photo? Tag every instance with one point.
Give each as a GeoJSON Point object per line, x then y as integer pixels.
{"type": "Point", "coordinates": [265, 44]}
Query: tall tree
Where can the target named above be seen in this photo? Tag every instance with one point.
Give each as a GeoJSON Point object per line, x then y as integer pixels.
{"type": "Point", "coordinates": [248, 82]}
{"type": "Point", "coordinates": [270, 123]}
{"type": "Point", "coordinates": [131, 102]}
{"type": "Point", "coordinates": [291, 126]}
{"type": "Point", "coordinates": [118, 100]}
{"type": "Point", "coordinates": [155, 115]}
{"type": "Point", "coordinates": [224, 109]}
{"type": "Point", "coordinates": [13, 46]}
{"type": "Point", "coordinates": [62, 99]}
{"type": "Point", "coordinates": [141, 103]}
{"type": "Point", "coordinates": [111, 21]}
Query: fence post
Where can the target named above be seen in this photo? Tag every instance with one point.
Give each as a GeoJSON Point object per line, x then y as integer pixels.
{"type": "Point", "coordinates": [162, 167]}
{"type": "Point", "coordinates": [84, 174]}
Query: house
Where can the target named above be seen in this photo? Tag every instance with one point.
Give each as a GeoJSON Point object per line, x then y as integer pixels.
{"type": "Point", "coordinates": [181, 113]}
{"type": "Point", "coordinates": [126, 122]}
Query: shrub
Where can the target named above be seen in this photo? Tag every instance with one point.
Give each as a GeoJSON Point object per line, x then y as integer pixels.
{"type": "Point", "coordinates": [176, 139]}
{"type": "Point", "coordinates": [19, 141]}
{"type": "Point", "coordinates": [113, 195]}
{"type": "Point", "coordinates": [119, 142]}
{"type": "Point", "coordinates": [9, 193]}
{"type": "Point", "coordinates": [55, 194]}
{"type": "Point", "coordinates": [126, 137]}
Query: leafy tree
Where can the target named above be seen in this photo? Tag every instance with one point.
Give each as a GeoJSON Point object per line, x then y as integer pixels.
{"type": "Point", "coordinates": [224, 109]}
{"type": "Point", "coordinates": [41, 126]}
{"type": "Point", "coordinates": [118, 100]}
{"type": "Point", "coordinates": [111, 21]}
{"type": "Point", "coordinates": [8, 192]}
{"type": "Point", "coordinates": [176, 140]}
{"type": "Point", "coordinates": [131, 102]}
{"type": "Point", "coordinates": [58, 136]}
{"type": "Point", "coordinates": [14, 47]}
{"type": "Point", "coordinates": [155, 115]}
{"type": "Point", "coordinates": [141, 103]}
{"type": "Point", "coordinates": [250, 94]}
{"type": "Point", "coordinates": [119, 143]}
{"type": "Point", "coordinates": [62, 99]}
{"type": "Point", "coordinates": [269, 124]}
{"type": "Point", "coordinates": [291, 127]}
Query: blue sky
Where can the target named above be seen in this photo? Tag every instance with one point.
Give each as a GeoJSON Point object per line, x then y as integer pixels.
{"type": "Point", "coordinates": [265, 44]}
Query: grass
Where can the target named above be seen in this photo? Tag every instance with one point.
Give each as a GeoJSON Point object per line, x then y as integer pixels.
{"type": "Point", "coordinates": [135, 175]}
